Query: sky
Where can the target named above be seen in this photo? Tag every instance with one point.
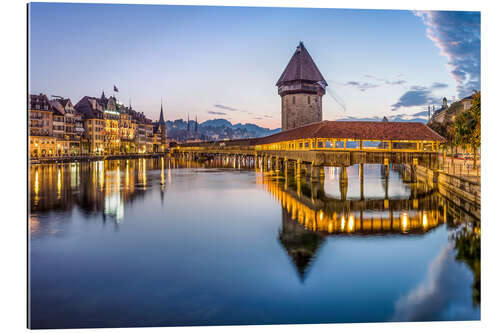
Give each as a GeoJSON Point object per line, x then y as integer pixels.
{"type": "Point", "coordinates": [223, 62]}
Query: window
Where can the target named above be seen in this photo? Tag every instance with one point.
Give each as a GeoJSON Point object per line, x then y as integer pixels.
{"type": "Point", "coordinates": [427, 146]}
{"type": "Point", "coordinates": [404, 145]}
{"type": "Point", "coordinates": [352, 144]}
{"type": "Point", "coordinates": [320, 144]}
{"type": "Point", "coordinates": [375, 144]}
{"type": "Point", "coordinates": [339, 144]}
{"type": "Point", "coordinates": [308, 99]}
{"type": "Point", "coordinates": [293, 99]}
{"type": "Point", "coordinates": [300, 144]}
{"type": "Point", "coordinates": [306, 145]}
{"type": "Point", "coordinates": [329, 144]}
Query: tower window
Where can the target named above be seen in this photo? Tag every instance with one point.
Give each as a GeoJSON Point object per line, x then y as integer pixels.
{"type": "Point", "coordinates": [293, 99]}
{"type": "Point", "coordinates": [308, 99]}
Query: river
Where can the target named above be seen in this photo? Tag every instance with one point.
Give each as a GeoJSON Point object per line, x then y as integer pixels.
{"type": "Point", "coordinates": [160, 242]}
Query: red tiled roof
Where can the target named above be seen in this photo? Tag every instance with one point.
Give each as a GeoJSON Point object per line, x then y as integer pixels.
{"type": "Point", "coordinates": [359, 130]}
{"type": "Point", "coordinates": [301, 67]}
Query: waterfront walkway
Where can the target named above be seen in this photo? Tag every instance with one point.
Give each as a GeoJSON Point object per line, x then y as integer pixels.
{"type": "Point", "coordinates": [89, 158]}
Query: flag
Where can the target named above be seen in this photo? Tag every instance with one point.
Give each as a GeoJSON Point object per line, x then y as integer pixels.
{"type": "Point", "coordinates": [115, 88]}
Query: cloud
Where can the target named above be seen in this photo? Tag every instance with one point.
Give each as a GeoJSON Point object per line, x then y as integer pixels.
{"type": "Point", "coordinates": [225, 107]}
{"type": "Point", "coordinates": [267, 116]}
{"type": "Point", "coordinates": [445, 295]}
{"type": "Point", "coordinates": [458, 37]}
{"type": "Point", "coordinates": [361, 85]}
{"type": "Point", "coordinates": [217, 113]}
{"type": "Point", "coordinates": [439, 85]}
{"type": "Point", "coordinates": [395, 83]}
{"type": "Point", "coordinates": [399, 82]}
{"type": "Point", "coordinates": [416, 96]}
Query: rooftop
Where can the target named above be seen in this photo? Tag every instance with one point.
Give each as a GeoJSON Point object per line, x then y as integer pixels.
{"type": "Point", "coordinates": [301, 67]}
{"type": "Point", "coordinates": [358, 130]}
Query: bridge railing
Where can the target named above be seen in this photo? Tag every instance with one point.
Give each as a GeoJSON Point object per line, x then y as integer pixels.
{"type": "Point", "coordinates": [352, 145]}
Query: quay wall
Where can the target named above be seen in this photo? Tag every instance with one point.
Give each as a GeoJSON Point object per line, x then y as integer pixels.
{"type": "Point", "coordinates": [91, 158]}
{"type": "Point", "coordinates": [463, 192]}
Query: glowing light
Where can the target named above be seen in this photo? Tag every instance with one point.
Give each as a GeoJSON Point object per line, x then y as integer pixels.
{"type": "Point", "coordinates": [101, 173]}
{"type": "Point", "coordinates": [37, 184]}
{"type": "Point", "coordinates": [162, 172]}
{"type": "Point", "coordinates": [330, 227]}
{"type": "Point", "coordinates": [404, 221]}
{"type": "Point", "coordinates": [425, 223]}
{"type": "Point", "coordinates": [127, 180]}
{"type": "Point", "coordinates": [350, 226]}
{"type": "Point", "coordinates": [118, 178]}
{"type": "Point", "coordinates": [342, 223]}
{"type": "Point", "coordinates": [144, 172]}
{"type": "Point", "coordinates": [58, 183]}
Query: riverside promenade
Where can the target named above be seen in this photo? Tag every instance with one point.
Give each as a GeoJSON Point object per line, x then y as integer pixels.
{"type": "Point", "coordinates": [90, 158]}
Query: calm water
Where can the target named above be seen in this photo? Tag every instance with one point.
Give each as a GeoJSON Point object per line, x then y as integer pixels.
{"type": "Point", "coordinates": [160, 242]}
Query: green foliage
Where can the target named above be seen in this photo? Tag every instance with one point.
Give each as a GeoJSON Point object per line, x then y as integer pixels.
{"type": "Point", "coordinates": [467, 125]}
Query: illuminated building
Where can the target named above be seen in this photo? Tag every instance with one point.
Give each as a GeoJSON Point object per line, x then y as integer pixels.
{"type": "Point", "coordinates": [41, 141]}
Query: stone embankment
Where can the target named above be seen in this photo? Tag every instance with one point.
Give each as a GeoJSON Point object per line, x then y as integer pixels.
{"type": "Point", "coordinates": [90, 158]}
{"type": "Point", "coordinates": [464, 192]}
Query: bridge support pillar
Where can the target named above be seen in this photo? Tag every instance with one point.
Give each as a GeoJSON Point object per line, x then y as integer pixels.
{"type": "Point", "coordinates": [316, 173]}
{"type": "Point", "coordinates": [362, 181]}
{"type": "Point", "coordinates": [343, 181]}
{"type": "Point", "coordinates": [298, 168]}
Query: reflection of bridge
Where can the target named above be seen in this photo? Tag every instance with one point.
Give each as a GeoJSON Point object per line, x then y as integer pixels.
{"type": "Point", "coordinates": [415, 214]}
{"type": "Point", "coordinates": [307, 220]}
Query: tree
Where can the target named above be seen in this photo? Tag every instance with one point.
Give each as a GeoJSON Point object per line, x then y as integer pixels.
{"type": "Point", "coordinates": [467, 127]}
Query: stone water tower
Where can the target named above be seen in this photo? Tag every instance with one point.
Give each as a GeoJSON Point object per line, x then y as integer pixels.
{"type": "Point", "coordinates": [301, 87]}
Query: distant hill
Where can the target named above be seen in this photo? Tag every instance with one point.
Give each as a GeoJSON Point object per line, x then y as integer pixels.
{"type": "Point", "coordinates": [216, 129]}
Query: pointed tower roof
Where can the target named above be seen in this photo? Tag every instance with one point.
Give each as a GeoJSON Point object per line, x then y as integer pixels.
{"type": "Point", "coordinates": [301, 67]}
{"type": "Point", "coordinates": [162, 120]}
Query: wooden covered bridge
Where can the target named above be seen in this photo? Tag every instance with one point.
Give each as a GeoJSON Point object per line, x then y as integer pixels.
{"type": "Point", "coordinates": [330, 143]}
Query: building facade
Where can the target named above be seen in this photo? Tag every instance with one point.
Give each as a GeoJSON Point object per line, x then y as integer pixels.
{"type": "Point", "coordinates": [94, 126]}
{"type": "Point", "coordinates": [41, 141]}
{"type": "Point", "coordinates": [301, 87]}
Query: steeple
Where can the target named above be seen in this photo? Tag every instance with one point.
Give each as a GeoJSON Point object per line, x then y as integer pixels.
{"type": "Point", "coordinates": [162, 120]}
{"type": "Point", "coordinates": [102, 95]}
{"type": "Point", "coordinates": [188, 124]}
{"type": "Point", "coordinates": [196, 125]}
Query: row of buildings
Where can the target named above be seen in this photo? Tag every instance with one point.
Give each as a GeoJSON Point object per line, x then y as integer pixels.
{"type": "Point", "coordinates": [94, 126]}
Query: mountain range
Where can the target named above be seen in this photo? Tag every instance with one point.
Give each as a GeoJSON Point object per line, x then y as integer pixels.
{"type": "Point", "coordinates": [215, 129]}
{"type": "Point", "coordinates": [222, 129]}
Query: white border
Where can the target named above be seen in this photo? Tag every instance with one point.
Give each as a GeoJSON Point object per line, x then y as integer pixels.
{"type": "Point", "coordinates": [13, 165]}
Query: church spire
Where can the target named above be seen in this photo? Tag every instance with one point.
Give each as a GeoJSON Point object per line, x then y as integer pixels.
{"type": "Point", "coordinates": [196, 124]}
{"type": "Point", "coordinates": [188, 124]}
{"type": "Point", "coordinates": [162, 120]}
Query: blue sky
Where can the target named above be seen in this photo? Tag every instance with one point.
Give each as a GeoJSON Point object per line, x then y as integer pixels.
{"type": "Point", "coordinates": [223, 62]}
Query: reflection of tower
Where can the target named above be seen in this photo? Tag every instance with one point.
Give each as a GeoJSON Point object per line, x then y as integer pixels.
{"type": "Point", "coordinates": [301, 87]}
{"type": "Point", "coordinates": [300, 244]}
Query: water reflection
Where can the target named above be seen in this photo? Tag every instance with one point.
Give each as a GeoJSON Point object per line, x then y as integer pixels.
{"type": "Point", "coordinates": [313, 224]}
{"type": "Point", "coordinates": [107, 187]}
{"type": "Point", "coordinates": [309, 215]}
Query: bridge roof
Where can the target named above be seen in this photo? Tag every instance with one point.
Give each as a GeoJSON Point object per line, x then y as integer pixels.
{"type": "Point", "coordinates": [358, 130]}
